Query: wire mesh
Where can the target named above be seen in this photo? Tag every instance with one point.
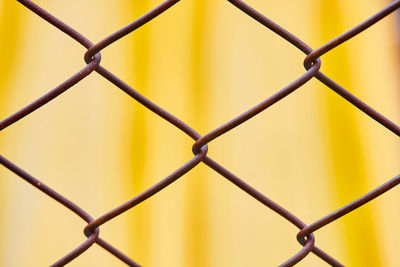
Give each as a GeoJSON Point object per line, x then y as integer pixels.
{"type": "Point", "coordinates": [312, 64]}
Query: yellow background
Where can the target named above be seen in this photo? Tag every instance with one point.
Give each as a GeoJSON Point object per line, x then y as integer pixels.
{"type": "Point", "coordinates": [205, 62]}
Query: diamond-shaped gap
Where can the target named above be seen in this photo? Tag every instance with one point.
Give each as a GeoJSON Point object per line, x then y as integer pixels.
{"type": "Point", "coordinates": [169, 86]}
{"type": "Point", "coordinates": [68, 130]}
{"type": "Point", "coordinates": [352, 107]}
{"type": "Point", "coordinates": [175, 36]}
{"type": "Point", "coordinates": [236, 220]}
{"type": "Point", "coordinates": [280, 153]}
{"type": "Point", "coordinates": [285, 170]}
{"type": "Point", "coordinates": [151, 98]}
{"type": "Point", "coordinates": [81, 130]}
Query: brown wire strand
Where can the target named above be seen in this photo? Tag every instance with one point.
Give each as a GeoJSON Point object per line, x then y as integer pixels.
{"type": "Point", "coordinates": [312, 64]}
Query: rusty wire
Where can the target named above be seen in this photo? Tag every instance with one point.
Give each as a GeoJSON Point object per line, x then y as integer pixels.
{"type": "Point", "coordinates": [312, 64]}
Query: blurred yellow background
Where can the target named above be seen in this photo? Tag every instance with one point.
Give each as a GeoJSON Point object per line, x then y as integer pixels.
{"type": "Point", "coordinates": [205, 62]}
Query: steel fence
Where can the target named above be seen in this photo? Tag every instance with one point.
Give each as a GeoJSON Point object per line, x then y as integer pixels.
{"type": "Point", "coordinates": [312, 64]}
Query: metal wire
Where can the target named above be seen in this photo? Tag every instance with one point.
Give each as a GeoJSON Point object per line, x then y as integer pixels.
{"type": "Point", "coordinates": [312, 64]}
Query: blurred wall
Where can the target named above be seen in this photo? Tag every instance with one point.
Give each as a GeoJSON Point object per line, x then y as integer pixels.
{"type": "Point", "coordinates": [205, 62]}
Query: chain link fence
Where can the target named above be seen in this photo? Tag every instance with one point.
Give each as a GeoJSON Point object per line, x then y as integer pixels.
{"type": "Point", "coordinates": [312, 64]}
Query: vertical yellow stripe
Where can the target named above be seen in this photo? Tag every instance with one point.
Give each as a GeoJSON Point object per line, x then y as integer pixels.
{"type": "Point", "coordinates": [168, 61]}
{"type": "Point", "coordinates": [135, 139]}
{"type": "Point", "coordinates": [196, 201]}
{"type": "Point", "coordinates": [344, 145]}
{"type": "Point", "coordinates": [10, 32]}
